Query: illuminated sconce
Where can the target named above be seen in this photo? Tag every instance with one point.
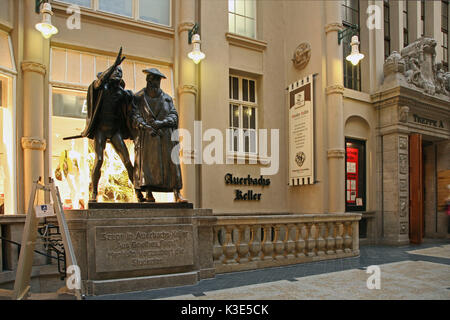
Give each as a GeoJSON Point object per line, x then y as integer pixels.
{"type": "Point", "coordinates": [194, 38]}
{"type": "Point", "coordinates": [45, 27]}
{"type": "Point", "coordinates": [355, 56]}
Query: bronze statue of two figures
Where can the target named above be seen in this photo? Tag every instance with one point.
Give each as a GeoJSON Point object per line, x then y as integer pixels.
{"type": "Point", "coordinates": [148, 117]}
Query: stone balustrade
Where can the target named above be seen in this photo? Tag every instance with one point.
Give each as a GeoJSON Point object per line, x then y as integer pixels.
{"type": "Point", "coordinates": [253, 242]}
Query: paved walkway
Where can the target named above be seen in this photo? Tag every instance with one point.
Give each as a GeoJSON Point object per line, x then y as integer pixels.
{"type": "Point", "coordinates": [407, 272]}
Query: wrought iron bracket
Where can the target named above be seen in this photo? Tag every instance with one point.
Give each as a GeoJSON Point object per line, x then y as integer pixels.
{"type": "Point", "coordinates": [193, 31]}
{"type": "Point", "coordinates": [349, 31]}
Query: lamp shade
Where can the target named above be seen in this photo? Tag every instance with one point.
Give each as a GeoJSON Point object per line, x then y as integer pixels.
{"type": "Point", "coordinates": [355, 56]}
{"type": "Point", "coordinates": [45, 27]}
{"type": "Point", "coordinates": [196, 55]}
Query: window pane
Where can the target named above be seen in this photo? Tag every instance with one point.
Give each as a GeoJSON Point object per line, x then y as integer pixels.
{"type": "Point", "coordinates": [245, 89]}
{"type": "Point", "coordinates": [235, 116]}
{"type": "Point", "coordinates": [230, 88]}
{"type": "Point", "coordinates": [250, 28]}
{"type": "Point", "coordinates": [231, 23]}
{"type": "Point", "coordinates": [155, 11]}
{"type": "Point", "coordinates": [122, 7]}
{"type": "Point", "coordinates": [252, 91]}
{"type": "Point", "coordinates": [69, 104]}
{"type": "Point", "coordinates": [235, 140]}
{"type": "Point", "coordinates": [235, 88]}
{"type": "Point", "coordinates": [252, 141]}
{"type": "Point", "coordinates": [240, 7]}
{"type": "Point", "coordinates": [253, 118]}
{"type": "Point", "coordinates": [231, 6]}
{"type": "Point", "coordinates": [83, 3]}
{"type": "Point", "coordinates": [240, 25]}
{"type": "Point", "coordinates": [250, 8]}
{"type": "Point", "coordinates": [246, 115]}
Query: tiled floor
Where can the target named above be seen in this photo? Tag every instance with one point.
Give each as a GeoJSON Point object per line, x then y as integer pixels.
{"type": "Point", "coordinates": [408, 272]}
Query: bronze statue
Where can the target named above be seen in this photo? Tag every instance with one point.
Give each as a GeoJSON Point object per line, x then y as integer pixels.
{"type": "Point", "coordinates": [108, 107]}
{"type": "Point", "coordinates": [154, 120]}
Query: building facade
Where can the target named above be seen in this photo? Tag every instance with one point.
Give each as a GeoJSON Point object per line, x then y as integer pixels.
{"type": "Point", "coordinates": [368, 130]}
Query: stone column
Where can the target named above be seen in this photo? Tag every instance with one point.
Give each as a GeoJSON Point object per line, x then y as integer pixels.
{"type": "Point", "coordinates": [187, 95]}
{"type": "Point", "coordinates": [335, 124]}
{"type": "Point", "coordinates": [396, 24]}
{"type": "Point", "coordinates": [34, 70]}
{"type": "Point", "coordinates": [414, 20]}
{"type": "Point", "coordinates": [433, 25]}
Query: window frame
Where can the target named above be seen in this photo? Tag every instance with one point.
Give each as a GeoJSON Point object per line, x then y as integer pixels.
{"type": "Point", "coordinates": [405, 16]}
{"type": "Point", "coordinates": [95, 6]}
{"type": "Point", "coordinates": [356, 70]}
{"type": "Point", "coordinates": [241, 104]}
{"type": "Point", "coordinates": [255, 19]}
{"type": "Point", "coordinates": [387, 35]}
{"type": "Point", "coordinates": [444, 30]}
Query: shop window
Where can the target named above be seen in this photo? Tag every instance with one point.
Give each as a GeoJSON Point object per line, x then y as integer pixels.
{"type": "Point", "coordinates": [7, 163]}
{"type": "Point", "coordinates": [352, 74]}
{"type": "Point", "coordinates": [242, 17]}
{"type": "Point", "coordinates": [355, 175]}
{"type": "Point", "coordinates": [81, 3]}
{"type": "Point", "coordinates": [242, 115]}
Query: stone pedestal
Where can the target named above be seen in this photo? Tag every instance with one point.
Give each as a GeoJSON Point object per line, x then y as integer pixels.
{"type": "Point", "coordinates": [134, 247]}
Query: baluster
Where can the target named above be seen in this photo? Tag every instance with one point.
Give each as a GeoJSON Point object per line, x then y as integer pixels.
{"type": "Point", "coordinates": [229, 247]}
{"type": "Point", "coordinates": [331, 241]}
{"type": "Point", "coordinates": [299, 242]}
{"type": "Point", "coordinates": [255, 243]}
{"type": "Point", "coordinates": [278, 243]}
{"type": "Point", "coordinates": [339, 239]}
{"type": "Point", "coordinates": [311, 242]}
{"type": "Point", "coordinates": [242, 246]}
{"type": "Point", "coordinates": [290, 244]}
{"type": "Point", "coordinates": [217, 248]}
{"type": "Point", "coordinates": [267, 244]}
{"type": "Point", "coordinates": [320, 240]}
{"type": "Point", "coordinates": [347, 237]}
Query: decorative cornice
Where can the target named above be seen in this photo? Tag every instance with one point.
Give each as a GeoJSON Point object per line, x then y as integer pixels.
{"type": "Point", "coordinates": [339, 89]}
{"type": "Point", "coordinates": [30, 66]}
{"type": "Point", "coordinates": [185, 26]}
{"type": "Point", "coordinates": [187, 89]}
{"type": "Point", "coordinates": [34, 143]}
{"type": "Point", "coordinates": [334, 26]}
{"type": "Point", "coordinates": [336, 153]}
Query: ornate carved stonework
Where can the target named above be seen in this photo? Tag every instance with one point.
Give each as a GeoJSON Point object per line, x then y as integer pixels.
{"type": "Point", "coordinates": [34, 67]}
{"type": "Point", "coordinates": [403, 163]}
{"type": "Point", "coordinates": [404, 228]}
{"type": "Point", "coordinates": [335, 26]}
{"type": "Point", "coordinates": [403, 206]}
{"type": "Point", "coordinates": [416, 67]}
{"type": "Point", "coordinates": [403, 143]}
{"type": "Point", "coordinates": [185, 26]}
{"type": "Point", "coordinates": [403, 114]}
{"type": "Point", "coordinates": [33, 143]}
{"type": "Point", "coordinates": [187, 89]}
{"type": "Point", "coordinates": [334, 89]}
{"type": "Point", "coordinates": [302, 55]}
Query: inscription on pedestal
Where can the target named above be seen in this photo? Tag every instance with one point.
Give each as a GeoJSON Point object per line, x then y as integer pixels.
{"type": "Point", "coordinates": [127, 248]}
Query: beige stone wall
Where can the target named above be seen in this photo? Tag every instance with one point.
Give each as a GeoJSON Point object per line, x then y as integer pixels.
{"type": "Point", "coordinates": [6, 12]}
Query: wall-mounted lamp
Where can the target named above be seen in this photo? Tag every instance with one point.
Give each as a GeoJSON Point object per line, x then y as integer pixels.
{"type": "Point", "coordinates": [194, 38]}
{"type": "Point", "coordinates": [355, 56]}
{"type": "Point", "coordinates": [45, 27]}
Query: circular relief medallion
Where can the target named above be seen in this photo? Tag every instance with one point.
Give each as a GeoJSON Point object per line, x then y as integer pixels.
{"type": "Point", "coordinates": [302, 54]}
{"type": "Point", "coordinates": [300, 158]}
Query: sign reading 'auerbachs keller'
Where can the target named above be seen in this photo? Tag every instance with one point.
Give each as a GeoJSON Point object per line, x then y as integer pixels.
{"type": "Point", "coordinates": [301, 132]}
{"type": "Point", "coordinates": [247, 195]}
